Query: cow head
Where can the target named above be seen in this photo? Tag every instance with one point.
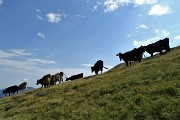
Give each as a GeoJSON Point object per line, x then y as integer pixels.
{"type": "Point", "coordinates": [4, 91]}
{"type": "Point", "coordinates": [120, 56]}
{"type": "Point", "coordinates": [92, 69]}
{"type": "Point", "coordinates": [38, 82]}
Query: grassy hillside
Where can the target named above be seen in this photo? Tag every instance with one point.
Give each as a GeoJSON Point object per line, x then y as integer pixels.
{"type": "Point", "coordinates": [146, 90]}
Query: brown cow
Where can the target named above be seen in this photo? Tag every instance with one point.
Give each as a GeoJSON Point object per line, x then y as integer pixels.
{"type": "Point", "coordinates": [22, 86]}
{"type": "Point", "coordinates": [44, 81]}
{"type": "Point", "coordinates": [58, 77]}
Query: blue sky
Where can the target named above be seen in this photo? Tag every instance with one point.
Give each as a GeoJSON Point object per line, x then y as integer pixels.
{"type": "Point", "coordinates": [49, 36]}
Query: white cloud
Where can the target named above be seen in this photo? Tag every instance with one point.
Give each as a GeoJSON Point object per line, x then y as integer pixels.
{"type": "Point", "coordinates": [143, 26]}
{"type": "Point", "coordinates": [55, 17]}
{"type": "Point", "coordinates": [42, 35]}
{"type": "Point", "coordinates": [39, 17]}
{"type": "Point", "coordinates": [87, 65]}
{"type": "Point", "coordinates": [4, 54]}
{"type": "Point", "coordinates": [15, 62]}
{"type": "Point", "coordinates": [20, 52]}
{"type": "Point", "coordinates": [38, 10]}
{"type": "Point", "coordinates": [77, 15]}
{"type": "Point", "coordinates": [1, 2]}
{"type": "Point", "coordinates": [13, 53]}
{"type": "Point", "coordinates": [41, 61]}
{"type": "Point", "coordinates": [111, 5]}
{"type": "Point", "coordinates": [162, 33]}
{"type": "Point", "coordinates": [177, 37]}
{"type": "Point", "coordinates": [142, 2]}
{"type": "Point", "coordinates": [145, 42]}
{"type": "Point", "coordinates": [158, 10]}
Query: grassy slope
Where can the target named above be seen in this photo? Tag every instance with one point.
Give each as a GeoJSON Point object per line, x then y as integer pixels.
{"type": "Point", "coordinates": [146, 90]}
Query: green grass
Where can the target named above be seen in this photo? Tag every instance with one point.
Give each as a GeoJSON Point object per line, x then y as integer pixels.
{"type": "Point", "coordinates": [147, 90]}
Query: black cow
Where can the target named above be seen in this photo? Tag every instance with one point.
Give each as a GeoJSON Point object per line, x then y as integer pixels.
{"type": "Point", "coordinates": [98, 66]}
{"type": "Point", "coordinates": [11, 89]}
{"type": "Point", "coordinates": [133, 55]}
{"type": "Point", "coordinates": [158, 46]}
{"type": "Point", "coordinates": [74, 77]}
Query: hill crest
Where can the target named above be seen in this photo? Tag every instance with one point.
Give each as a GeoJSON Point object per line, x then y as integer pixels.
{"type": "Point", "coordinates": [146, 90]}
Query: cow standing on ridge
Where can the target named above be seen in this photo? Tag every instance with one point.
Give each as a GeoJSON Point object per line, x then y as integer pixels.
{"type": "Point", "coordinates": [98, 66]}
{"type": "Point", "coordinates": [158, 46]}
{"type": "Point", "coordinates": [57, 77]}
{"type": "Point", "coordinates": [44, 81]}
{"type": "Point", "coordinates": [133, 55]}
{"type": "Point", "coordinates": [22, 86]}
{"type": "Point", "coordinates": [74, 77]}
{"type": "Point", "coordinates": [11, 89]}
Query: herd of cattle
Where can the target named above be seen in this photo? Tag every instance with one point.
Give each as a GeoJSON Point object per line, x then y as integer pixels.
{"type": "Point", "coordinates": [134, 55]}
{"type": "Point", "coordinates": [15, 88]}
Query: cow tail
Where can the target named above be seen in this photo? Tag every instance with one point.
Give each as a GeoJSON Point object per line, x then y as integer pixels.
{"type": "Point", "coordinates": [105, 67]}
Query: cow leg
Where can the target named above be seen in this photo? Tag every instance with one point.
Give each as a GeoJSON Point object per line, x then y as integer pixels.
{"type": "Point", "coordinates": [126, 63]}
{"type": "Point", "coordinates": [130, 63]}
{"type": "Point", "coordinates": [161, 52]}
{"type": "Point", "coordinates": [152, 55]}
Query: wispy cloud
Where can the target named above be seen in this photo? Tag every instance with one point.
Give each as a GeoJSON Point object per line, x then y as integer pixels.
{"type": "Point", "coordinates": [1, 2]}
{"type": "Point", "coordinates": [142, 26]}
{"type": "Point", "coordinates": [41, 35]}
{"type": "Point", "coordinates": [158, 10]}
{"type": "Point", "coordinates": [87, 65]}
{"type": "Point", "coordinates": [39, 17]}
{"type": "Point", "coordinates": [13, 53]}
{"type": "Point", "coordinates": [112, 5]}
{"type": "Point", "coordinates": [145, 42]}
{"type": "Point", "coordinates": [177, 37]}
{"type": "Point", "coordinates": [55, 17]}
{"type": "Point", "coordinates": [38, 10]}
{"type": "Point", "coordinates": [41, 61]}
{"type": "Point", "coordinates": [77, 15]}
{"type": "Point", "coordinates": [14, 61]}
{"type": "Point", "coordinates": [20, 52]}
{"type": "Point", "coordinates": [162, 33]}
{"type": "Point", "coordinates": [143, 2]}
